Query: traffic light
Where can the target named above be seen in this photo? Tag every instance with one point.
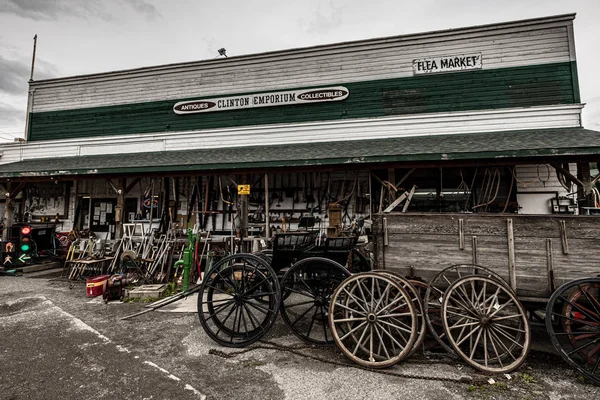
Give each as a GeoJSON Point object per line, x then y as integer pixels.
{"type": "Point", "coordinates": [25, 241]}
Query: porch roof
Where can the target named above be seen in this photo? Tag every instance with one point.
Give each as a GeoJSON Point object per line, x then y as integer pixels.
{"type": "Point", "coordinates": [544, 144]}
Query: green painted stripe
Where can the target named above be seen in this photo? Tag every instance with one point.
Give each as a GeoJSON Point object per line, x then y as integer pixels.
{"type": "Point", "coordinates": [575, 78]}
{"type": "Point", "coordinates": [461, 91]}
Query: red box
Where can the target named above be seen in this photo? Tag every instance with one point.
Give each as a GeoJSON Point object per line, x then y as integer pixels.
{"type": "Point", "coordinates": [96, 286]}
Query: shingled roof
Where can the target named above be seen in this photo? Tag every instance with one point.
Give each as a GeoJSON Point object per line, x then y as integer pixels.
{"type": "Point", "coordinates": [535, 144]}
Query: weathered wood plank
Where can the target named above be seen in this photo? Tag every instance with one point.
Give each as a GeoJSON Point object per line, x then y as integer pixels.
{"type": "Point", "coordinates": [538, 267]}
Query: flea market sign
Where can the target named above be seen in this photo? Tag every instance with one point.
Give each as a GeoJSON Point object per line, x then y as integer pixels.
{"type": "Point", "coordinates": [335, 93]}
{"type": "Point", "coordinates": [446, 63]}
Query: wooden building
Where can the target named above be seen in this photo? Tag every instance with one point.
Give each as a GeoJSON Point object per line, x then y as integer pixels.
{"type": "Point", "coordinates": [483, 119]}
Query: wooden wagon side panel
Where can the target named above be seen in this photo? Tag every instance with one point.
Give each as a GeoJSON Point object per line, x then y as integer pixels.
{"type": "Point", "coordinates": [535, 254]}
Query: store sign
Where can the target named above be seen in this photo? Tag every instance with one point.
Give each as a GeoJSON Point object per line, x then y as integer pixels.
{"type": "Point", "coordinates": [243, 189]}
{"type": "Point", "coordinates": [453, 63]}
{"type": "Point", "coordinates": [287, 98]}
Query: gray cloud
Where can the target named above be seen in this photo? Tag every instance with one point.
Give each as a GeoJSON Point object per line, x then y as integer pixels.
{"type": "Point", "coordinates": [52, 9]}
{"type": "Point", "coordinates": [15, 74]}
{"type": "Point", "coordinates": [11, 114]}
{"type": "Point", "coordinates": [326, 18]}
{"type": "Point", "coordinates": [39, 10]}
{"type": "Point", "coordinates": [145, 7]}
{"type": "Point", "coordinates": [13, 79]}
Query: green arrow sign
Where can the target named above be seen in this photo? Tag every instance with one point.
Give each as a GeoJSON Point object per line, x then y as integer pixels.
{"type": "Point", "coordinates": [24, 258]}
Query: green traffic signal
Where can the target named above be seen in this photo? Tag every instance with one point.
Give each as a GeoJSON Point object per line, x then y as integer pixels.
{"type": "Point", "coordinates": [25, 247]}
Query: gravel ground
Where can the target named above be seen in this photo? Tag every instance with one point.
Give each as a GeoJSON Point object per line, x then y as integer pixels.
{"type": "Point", "coordinates": [57, 344]}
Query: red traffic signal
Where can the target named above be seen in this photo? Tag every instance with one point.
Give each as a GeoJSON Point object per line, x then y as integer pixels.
{"type": "Point", "coordinates": [25, 239]}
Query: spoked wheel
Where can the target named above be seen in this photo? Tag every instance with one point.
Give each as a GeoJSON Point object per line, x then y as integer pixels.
{"type": "Point", "coordinates": [373, 320]}
{"type": "Point", "coordinates": [573, 323]}
{"type": "Point", "coordinates": [485, 324]}
{"type": "Point", "coordinates": [239, 300]}
{"type": "Point", "coordinates": [434, 295]}
{"type": "Point", "coordinates": [413, 291]}
{"type": "Point", "coordinates": [306, 292]}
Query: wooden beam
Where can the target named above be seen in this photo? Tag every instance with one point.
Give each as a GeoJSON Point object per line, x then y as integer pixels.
{"type": "Point", "coordinates": [560, 169]}
{"type": "Point", "coordinates": [15, 192]}
{"type": "Point", "coordinates": [112, 185]}
{"type": "Point", "coordinates": [401, 181]}
{"type": "Point", "coordinates": [131, 186]}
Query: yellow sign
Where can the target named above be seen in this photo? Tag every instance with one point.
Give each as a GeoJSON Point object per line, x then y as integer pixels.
{"type": "Point", "coordinates": [243, 189]}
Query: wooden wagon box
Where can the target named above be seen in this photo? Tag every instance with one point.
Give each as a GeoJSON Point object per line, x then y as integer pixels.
{"type": "Point", "coordinates": [534, 253]}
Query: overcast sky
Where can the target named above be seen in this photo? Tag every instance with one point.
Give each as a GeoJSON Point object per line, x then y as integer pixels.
{"type": "Point", "coordinates": [88, 36]}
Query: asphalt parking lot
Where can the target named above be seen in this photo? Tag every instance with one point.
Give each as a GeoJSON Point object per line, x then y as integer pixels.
{"type": "Point", "coordinates": [57, 344]}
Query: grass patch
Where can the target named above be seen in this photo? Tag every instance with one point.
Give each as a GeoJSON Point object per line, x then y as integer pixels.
{"type": "Point", "coordinates": [526, 378]}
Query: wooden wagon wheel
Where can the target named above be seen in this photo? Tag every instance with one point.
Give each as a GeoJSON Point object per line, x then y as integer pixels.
{"type": "Point", "coordinates": [413, 291]}
{"type": "Point", "coordinates": [239, 300]}
{"type": "Point", "coordinates": [306, 289]}
{"type": "Point", "coordinates": [434, 295]}
{"type": "Point", "coordinates": [573, 324]}
{"type": "Point", "coordinates": [485, 324]}
{"type": "Point", "coordinates": [373, 320]}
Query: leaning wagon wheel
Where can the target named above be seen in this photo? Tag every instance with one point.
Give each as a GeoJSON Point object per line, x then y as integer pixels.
{"type": "Point", "coordinates": [306, 291]}
{"type": "Point", "coordinates": [573, 324]}
{"type": "Point", "coordinates": [485, 324]}
{"type": "Point", "coordinates": [413, 291]}
{"type": "Point", "coordinates": [373, 320]}
{"type": "Point", "coordinates": [434, 295]}
{"type": "Point", "coordinates": [239, 300]}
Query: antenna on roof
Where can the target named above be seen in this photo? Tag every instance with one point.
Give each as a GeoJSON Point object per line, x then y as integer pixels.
{"type": "Point", "coordinates": [222, 52]}
{"type": "Point", "coordinates": [33, 57]}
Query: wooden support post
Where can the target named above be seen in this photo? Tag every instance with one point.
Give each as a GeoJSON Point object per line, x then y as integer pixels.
{"type": "Point", "coordinates": [563, 237]}
{"type": "Point", "coordinates": [550, 266]}
{"type": "Point", "coordinates": [585, 190]}
{"type": "Point", "coordinates": [267, 198]}
{"type": "Point", "coordinates": [9, 212]}
{"type": "Point", "coordinates": [7, 220]}
{"type": "Point", "coordinates": [120, 208]}
{"type": "Point", "coordinates": [244, 210]}
{"type": "Point", "coordinates": [475, 258]}
{"type": "Point", "coordinates": [512, 274]}
{"type": "Point", "coordinates": [461, 234]}
{"type": "Point", "coordinates": [391, 179]}
{"type": "Point", "coordinates": [385, 232]}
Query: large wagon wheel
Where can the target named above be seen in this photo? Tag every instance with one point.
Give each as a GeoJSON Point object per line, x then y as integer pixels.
{"type": "Point", "coordinates": [413, 291]}
{"type": "Point", "coordinates": [485, 324]}
{"type": "Point", "coordinates": [373, 320]}
{"type": "Point", "coordinates": [573, 323]}
{"type": "Point", "coordinates": [306, 291]}
{"type": "Point", "coordinates": [239, 300]}
{"type": "Point", "coordinates": [434, 295]}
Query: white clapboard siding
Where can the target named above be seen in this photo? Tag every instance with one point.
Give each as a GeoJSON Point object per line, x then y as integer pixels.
{"type": "Point", "coordinates": [540, 178]}
{"type": "Point", "coordinates": [562, 116]}
{"type": "Point", "coordinates": [496, 54]}
{"type": "Point", "coordinates": [536, 42]}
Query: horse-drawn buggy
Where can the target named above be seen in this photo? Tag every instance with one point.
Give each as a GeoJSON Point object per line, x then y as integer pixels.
{"type": "Point", "coordinates": [478, 284]}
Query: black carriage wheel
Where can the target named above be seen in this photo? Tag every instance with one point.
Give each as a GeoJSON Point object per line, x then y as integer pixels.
{"type": "Point", "coordinates": [573, 324]}
{"type": "Point", "coordinates": [306, 291]}
{"type": "Point", "coordinates": [238, 300]}
{"type": "Point", "coordinates": [373, 320]}
{"type": "Point", "coordinates": [432, 301]}
{"type": "Point", "coordinates": [485, 324]}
